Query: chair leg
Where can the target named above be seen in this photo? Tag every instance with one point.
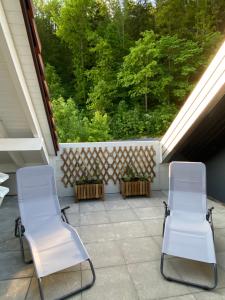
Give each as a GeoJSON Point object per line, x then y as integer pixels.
{"type": "Point", "coordinates": [164, 223]}
{"type": "Point", "coordinates": [205, 287]}
{"type": "Point", "coordinates": [16, 230]}
{"type": "Point", "coordinates": [75, 292]}
{"type": "Point", "coordinates": [40, 289]}
{"type": "Point", "coordinates": [22, 247]}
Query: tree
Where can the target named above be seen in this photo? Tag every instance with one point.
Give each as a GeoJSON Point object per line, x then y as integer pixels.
{"type": "Point", "coordinates": [140, 67]}
{"type": "Point", "coordinates": [68, 121]}
{"type": "Point", "coordinates": [102, 77]}
{"type": "Point", "coordinates": [54, 82]}
{"type": "Point", "coordinates": [54, 50]}
{"type": "Point", "coordinates": [75, 23]}
{"type": "Point", "coordinates": [122, 68]}
{"type": "Point", "coordinates": [160, 68]}
{"type": "Point", "coordinates": [73, 126]}
{"type": "Point", "coordinates": [178, 64]}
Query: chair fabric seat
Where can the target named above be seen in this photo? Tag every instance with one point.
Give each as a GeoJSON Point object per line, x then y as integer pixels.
{"type": "Point", "coordinates": [191, 240]}
{"type": "Point", "coordinates": [187, 232]}
{"type": "Point", "coordinates": [3, 191]}
{"type": "Point", "coordinates": [55, 246]}
{"type": "Point", "coordinates": [189, 225]}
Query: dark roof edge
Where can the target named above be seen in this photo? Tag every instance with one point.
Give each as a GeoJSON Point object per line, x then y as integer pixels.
{"type": "Point", "coordinates": [35, 45]}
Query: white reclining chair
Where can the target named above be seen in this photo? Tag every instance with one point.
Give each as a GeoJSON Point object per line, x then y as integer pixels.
{"type": "Point", "coordinates": [188, 230]}
{"type": "Point", "coordinates": [54, 244]}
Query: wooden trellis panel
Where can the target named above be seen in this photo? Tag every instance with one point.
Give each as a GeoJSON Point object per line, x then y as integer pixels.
{"type": "Point", "coordinates": [106, 165]}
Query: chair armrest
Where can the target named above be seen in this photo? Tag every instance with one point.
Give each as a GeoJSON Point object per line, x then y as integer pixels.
{"type": "Point", "coordinates": [209, 214]}
{"type": "Point", "coordinates": [167, 211]}
{"type": "Point", "coordinates": [64, 217]}
{"type": "Point", "coordinates": [63, 209]}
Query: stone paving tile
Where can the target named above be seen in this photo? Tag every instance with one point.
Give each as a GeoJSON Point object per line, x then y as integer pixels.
{"type": "Point", "coordinates": [219, 239]}
{"type": "Point", "coordinates": [153, 227]}
{"type": "Point", "coordinates": [104, 254]}
{"type": "Point", "coordinates": [96, 233]}
{"type": "Point", "coordinates": [158, 194]}
{"type": "Point", "coordinates": [139, 202]}
{"type": "Point", "coordinates": [113, 197]}
{"type": "Point", "coordinates": [91, 206]}
{"type": "Point", "coordinates": [65, 201]}
{"type": "Point", "coordinates": [99, 217]}
{"type": "Point", "coordinates": [56, 286]}
{"type": "Point", "coordinates": [74, 208]}
{"type": "Point", "coordinates": [15, 289]}
{"type": "Point", "coordinates": [218, 207]}
{"type": "Point", "coordinates": [158, 239]}
{"type": "Point", "coordinates": [117, 232]}
{"type": "Point", "coordinates": [7, 223]}
{"type": "Point", "coordinates": [6, 235]}
{"type": "Point", "coordinates": [10, 212]}
{"type": "Point", "coordinates": [184, 297]}
{"type": "Point", "coordinates": [131, 229]}
{"type": "Point", "coordinates": [116, 204]}
{"type": "Point", "coordinates": [140, 250]}
{"type": "Point", "coordinates": [150, 212]}
{"type": "Point", "coordinates": [111, 283]}
{"type": "Point", "coordinates": [150, 284]}
{"type": "Point", "coordinates": [122, 215]}
{"type": "Point", "coordinates": [74, 219]}
{"type": "Point", "coordinates": [12, 245]}
{"type": "Point", "coordinates": [219, 220]}
{"type": "Point", "coordinates": [217, 294]}
{"type": "Point", "coordinates": [156, 202]}
{"type": "Point", "coordinates": [12, 266]}
{"type": "Point", "coordinates": [221, 259]}
{"type": "Point", "coordinates": [198, 272]}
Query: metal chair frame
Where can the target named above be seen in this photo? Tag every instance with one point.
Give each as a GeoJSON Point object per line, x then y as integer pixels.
{"type": "Point", "coordinates": [214, 266]}
{"type": "Point", "coordinates": [19, 232]}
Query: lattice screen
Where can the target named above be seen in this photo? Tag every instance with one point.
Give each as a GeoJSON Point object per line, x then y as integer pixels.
{"type": "Point", "coordinates": [107, 165]}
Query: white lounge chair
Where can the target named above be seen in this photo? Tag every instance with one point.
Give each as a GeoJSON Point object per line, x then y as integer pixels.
{"type": "Point", "coordinates": [3, 190]}
{"type": "Point", "coordinates": [188, 230]}
{"type": "Point", "coordinates": [54, 244]}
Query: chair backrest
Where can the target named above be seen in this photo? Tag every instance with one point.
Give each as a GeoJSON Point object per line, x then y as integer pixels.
{"type": "Point", "coordinates": [187, 187]}
{"type": "Point", "coordinates": [37, 195]}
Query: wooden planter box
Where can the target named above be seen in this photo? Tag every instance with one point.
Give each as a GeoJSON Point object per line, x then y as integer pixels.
{"type": "Point", "coordinates": [89, 191]}
{"type": "Point", "coordinates": [135, 188]}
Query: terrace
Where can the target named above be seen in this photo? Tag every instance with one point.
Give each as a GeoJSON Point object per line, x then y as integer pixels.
{"type": "Point", "coordinates": [124, 240]}
{"type": "Point", "coordinates": [123, 237]}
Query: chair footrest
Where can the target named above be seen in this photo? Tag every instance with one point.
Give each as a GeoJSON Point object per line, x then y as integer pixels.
{"type": "Point", "coordinates": [188, 283]}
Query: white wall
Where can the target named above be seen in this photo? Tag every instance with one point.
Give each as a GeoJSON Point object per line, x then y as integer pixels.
{"type": "Point", "coordinates": [161, 171]}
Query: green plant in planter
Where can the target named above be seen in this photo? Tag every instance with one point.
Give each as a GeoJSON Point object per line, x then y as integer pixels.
{"type": "Point", "coordinates": [130, 175]}
{"type": "Point", "coordinates": [87, 178]}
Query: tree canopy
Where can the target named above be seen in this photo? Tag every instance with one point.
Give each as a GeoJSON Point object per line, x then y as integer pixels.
{"type": "Point", "coordinates": [122, 69]}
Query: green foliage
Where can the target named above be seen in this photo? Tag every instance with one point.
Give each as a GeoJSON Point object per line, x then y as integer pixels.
{"type": "Point", "coordinates": [131, 175]}
{"type": "Point", "coordinates": [158, 120]}
{"type": "Point", "coordinates": [160, 68]}
{"type": "Point", "coordinates": [72, 126]}
{"type": "Point", "coordinates": [131, 123]}
{"type": "Point", "coordinates": [102, 77]}
{"type": "Point", "coordinates": [54, 82]}
{"type": "Point", "coordinates": [125, 67]}
{"type": "Point", "coordinates": [69, 127]}
{"type": "Point", "coordinates": [126, 123]}
{"type": "Point", "coordinates": [98, 128]}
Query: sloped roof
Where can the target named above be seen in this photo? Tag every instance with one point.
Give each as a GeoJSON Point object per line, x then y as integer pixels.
{"type": "Point", "coordinates": [196, 125]}
{"type": "Point", "coordinates": [35, 45]}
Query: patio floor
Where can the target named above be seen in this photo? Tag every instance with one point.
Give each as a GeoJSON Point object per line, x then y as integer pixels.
{"type": "Point", "coordinates": [123, 238]}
